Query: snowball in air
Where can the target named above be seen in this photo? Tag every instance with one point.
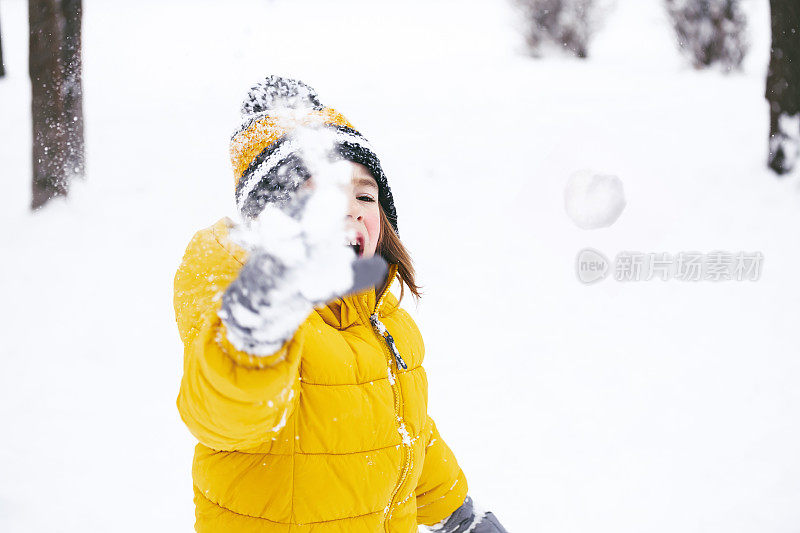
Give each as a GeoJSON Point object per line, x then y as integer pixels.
{"type": "Point", "coordinates": [593, 200]}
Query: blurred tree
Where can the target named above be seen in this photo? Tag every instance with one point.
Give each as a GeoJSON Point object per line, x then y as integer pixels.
{"type": "Point", "coordinates": [710, 31]}
{"type": "Point", "coordinates": [566, 23]}
{"type": "Point", "coordinates": [2, 65]}
{"type": "Point", "coordinates": [57, 96]}
{"type": "Point", "coordinates": [783, 86]}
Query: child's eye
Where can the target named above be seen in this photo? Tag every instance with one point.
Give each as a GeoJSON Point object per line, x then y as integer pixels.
{"type": "Point", "coordinates": [365, 198]}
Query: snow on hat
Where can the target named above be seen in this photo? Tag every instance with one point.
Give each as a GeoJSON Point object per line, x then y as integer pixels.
{"type": "Point", "coordinates": [265, 156]}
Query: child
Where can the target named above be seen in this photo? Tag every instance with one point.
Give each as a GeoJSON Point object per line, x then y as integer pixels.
{"type": "Point", "coordinates": [307, 394]}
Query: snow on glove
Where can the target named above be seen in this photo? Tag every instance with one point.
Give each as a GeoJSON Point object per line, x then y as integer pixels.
{"type": "Point", "coordinates": [299, 259]}
{"type": "Point", "coordinates": [466, 519]}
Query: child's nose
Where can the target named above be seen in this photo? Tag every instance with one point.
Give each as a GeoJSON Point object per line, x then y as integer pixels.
{"type": "Point", "coordinates": [353, 210]}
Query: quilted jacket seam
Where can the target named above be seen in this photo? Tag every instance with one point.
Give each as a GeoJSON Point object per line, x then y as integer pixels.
{"type": "Point", "coordinates": [216, 238]}
{"type": "Point", "coordinates": [291, 523]}
{"type": "Point", "coordinates": [443, 496]}
{"type": "Point", "coordinates": [379, 448]}
{"type": "Point", "coordinates": [412, 369]}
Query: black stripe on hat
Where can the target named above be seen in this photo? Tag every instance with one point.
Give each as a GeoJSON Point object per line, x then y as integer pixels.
{"type": "Point", "coordinates": [276, 185]}
{"type": "Point", "coordinates": [254, 164]}
{"type": "Point", "coordinates": [285, 176]}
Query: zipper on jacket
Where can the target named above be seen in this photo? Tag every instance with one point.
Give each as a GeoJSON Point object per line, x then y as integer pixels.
{"type": "Point", "coordinates": [383, 332]}
{"type": "Point", "coordinates": [379, 330]}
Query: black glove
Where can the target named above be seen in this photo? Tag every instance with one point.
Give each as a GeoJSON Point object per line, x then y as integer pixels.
{"type": "Point", "coordinates": [465, 518]}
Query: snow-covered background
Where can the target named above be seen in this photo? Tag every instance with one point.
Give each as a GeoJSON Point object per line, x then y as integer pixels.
{"type": "Point", "coordinates": [616, 407]}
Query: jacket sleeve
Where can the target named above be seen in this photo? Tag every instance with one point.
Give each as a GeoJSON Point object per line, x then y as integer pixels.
{"type": "Point", "coordinates": [229, 399]}
{"type": "Point", "coordinates": [442, 486]}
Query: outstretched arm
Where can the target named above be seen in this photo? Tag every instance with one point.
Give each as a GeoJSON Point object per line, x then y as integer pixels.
{"type": "Point", "coordinates": [232, 395]}
{"type": "Point", "coordinates": [242, 321]}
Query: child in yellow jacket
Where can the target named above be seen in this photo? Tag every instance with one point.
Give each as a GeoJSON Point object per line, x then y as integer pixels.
{"type": "Point", "coordinates": [302, 375]}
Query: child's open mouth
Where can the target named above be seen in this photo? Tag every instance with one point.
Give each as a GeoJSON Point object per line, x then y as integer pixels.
{"type": "Point", "coordinates": [357, 245]}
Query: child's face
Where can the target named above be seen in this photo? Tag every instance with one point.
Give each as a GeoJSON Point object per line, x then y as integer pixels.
{"type": "Point", "coordinates": [363, 214]}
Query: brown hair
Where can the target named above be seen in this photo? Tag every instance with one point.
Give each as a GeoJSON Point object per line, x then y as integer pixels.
{"type": "Point", "coordinates": [392, 249]}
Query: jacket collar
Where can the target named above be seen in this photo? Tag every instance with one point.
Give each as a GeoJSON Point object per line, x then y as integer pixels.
{"type": "Point", "coordinates": [345, 311]}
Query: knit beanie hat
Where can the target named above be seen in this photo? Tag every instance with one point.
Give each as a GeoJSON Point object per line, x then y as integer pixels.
{"type": "Point", "coordinates": [266, 159]}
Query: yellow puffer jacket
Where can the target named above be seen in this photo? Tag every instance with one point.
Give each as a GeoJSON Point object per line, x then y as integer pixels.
{"type": "Point", "coordinates": [327, 434]}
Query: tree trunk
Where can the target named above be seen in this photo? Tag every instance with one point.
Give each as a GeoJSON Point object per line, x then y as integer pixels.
{"type": "Point", "coordinates": [783, 76]}
{"type": "Point", "coordinates": [73, 86]}
{"type": "Point", "coordinates": [56, 103]}
{"type": "Point", "coordinates": [783, 86]}
{"type": "Point", "coordinates": [2, 65]}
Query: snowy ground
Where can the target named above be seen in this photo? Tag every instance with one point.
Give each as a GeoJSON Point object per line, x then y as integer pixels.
{"type": "Point", "coordinates": [616, 407]}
